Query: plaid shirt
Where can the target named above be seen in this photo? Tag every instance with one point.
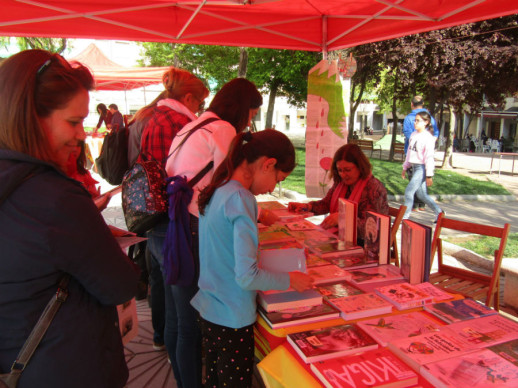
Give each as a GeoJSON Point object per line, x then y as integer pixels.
{"type": "Point", "coordinates": [159, 133]}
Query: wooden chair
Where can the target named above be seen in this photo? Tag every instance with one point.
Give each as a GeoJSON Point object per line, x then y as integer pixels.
{"type": "Point", "coordinates": [464, 281]}
{"type": "Point", "coordinates": [399, 149]}
{"type": "Point", "coordinates": [397, 214]}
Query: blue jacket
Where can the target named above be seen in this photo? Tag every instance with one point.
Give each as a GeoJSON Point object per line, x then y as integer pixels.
{"type": "Point", "coordinates": [50, 226]}
{"type": "Point", "coordinates": [408, 125]}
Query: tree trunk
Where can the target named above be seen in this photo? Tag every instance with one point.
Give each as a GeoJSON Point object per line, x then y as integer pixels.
{"type": "Point", "coordinates": [447, 162]}
{"type": "Point", "coordinates": [394, 120]}
{"type": "Point", "coordinates": [354, 106]}
{"type": "Point", "coordinates": [271, 104]}
{"type": "Point", "coordinates": [243, 62]}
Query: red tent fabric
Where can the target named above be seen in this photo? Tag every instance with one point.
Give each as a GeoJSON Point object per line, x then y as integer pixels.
{"type": "Point", "coordinates": [112, 76]}
{"type": "Point", "coordinates": [314, 25]}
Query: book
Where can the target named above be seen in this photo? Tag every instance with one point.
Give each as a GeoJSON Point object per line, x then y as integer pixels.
{"type": "Point", "coordinates": [481, 368]}
{"type": "Point", "coordinates": [282, 257]}
{"type": "Point", "coordinates": [485, 331]}
{"type": "Point", "coordinates": [272, 235]}
{"type": "Point", "coordinates": [301, 225]}
{"type": "Point", "coordinates": [270, 205]}
{"type": "Point", "coordinates": [347, 216]}
{"type": "Point", "coordinates": [299, 315]}
{"type": "Point", "coordinates": [396, 326]}
{"type": "Point", "coordinates": [328, 249]}
{"type": "Point", "coordinates": [374, 274]}
{"type": "Point", "coordinates": [404, 295]}
{"type": "Point", "coordinates": [454, 340]}
{"type": "Point", "coordinates": [330, 342]}
{"type": "Point", "coordinates": [415, 251]}
{"type": "Point", "coordinates": [507, 350]}
{"type": "Point", "coordinates": [377, 237]}
{"type": "Point", "coordinates": [373, 368]}
{"type": "Point", "coordinates": [437, 294]}
{"type": "Point", "coordinates": [313, 260]}
{"type": "Point", "coordinates": [327, 274]}
{"type": "Point", "coordinates": [459, 310]}
{"type": "Point", "coordinates": [280, 300]}
{"type": "Point", "coordinates": [331, 291]}
{"type": "Point", "coordinates": [286, 216]}
{"type": "Point", "coordinates": [352, 261]}
{"type": "Point", "coordinates": [361, 306]}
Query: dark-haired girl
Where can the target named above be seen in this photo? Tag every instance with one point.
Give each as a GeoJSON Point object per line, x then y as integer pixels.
{"type": "Point", "coordinates": [420, 157]}
{"type": "Point", "coordinates": [229, 276]}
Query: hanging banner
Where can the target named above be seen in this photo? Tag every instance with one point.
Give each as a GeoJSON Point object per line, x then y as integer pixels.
{"type": "Point", "coordinates": [326, 131]}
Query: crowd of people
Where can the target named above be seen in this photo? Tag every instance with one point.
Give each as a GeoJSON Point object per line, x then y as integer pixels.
{"type": "Point", "coordinates": [51, 228]}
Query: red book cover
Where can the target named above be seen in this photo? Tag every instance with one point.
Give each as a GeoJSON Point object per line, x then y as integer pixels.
{"type": "Point", "coordinates": [298, 315]}
{"type": "Point", "coordinates": [404, 295]}
{"type": "Point", "coordinates": [330, 342]}
{"type": "Point", "coordinates": [374, 368]}
{"type": "Point", "coordinates": [361, 306]}
{"type": "Point", "coordinates": [327, 274]}
{"type": "Point", "coordinates": [331, 291]}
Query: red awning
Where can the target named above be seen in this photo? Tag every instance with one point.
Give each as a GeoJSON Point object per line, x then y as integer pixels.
{"type": "Point", "coordinates": [111, 76]}
{"type": "Point", "coordinates": [314, 25]}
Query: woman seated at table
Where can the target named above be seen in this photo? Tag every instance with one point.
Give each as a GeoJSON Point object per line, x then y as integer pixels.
{"type": "Point", "coordinates": [353, 180]}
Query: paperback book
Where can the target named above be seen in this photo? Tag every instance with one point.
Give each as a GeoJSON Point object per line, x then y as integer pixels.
{"type": "Point", "coordinates": [280, 300]}
{"type": "Point", "coordinates": [347, 216]}
{"type": "Point", "coordinates": [481, 368]}
{"type": "Point", "coordinates": [507, 350]}
{"type": "Point", "coordinates": [377, 237]}
{"type": "Point", "coordinates": [331, 291]}
{"type": "Point", "coordinates": [274, 235]}
{"type": "Point", "coordinates": [437, 294]}
{"type": "Point", "coordinates": [459, 310]}
{"type": "Point", "coordinates": [328, 249]}
{"type": "Point", "coordinates": [327, 274]}
{"type": "Point", "coordinates": [298, 315]}
{"type": "Point", "coordinates": [352, 261]}
{"type": "Point", "coordinates": [454, 340]}
{"type": "Point", "coordinates": [374, 274]}
{"type": "Point", "coordinates": [361, 306]}
{"type": "Point", "coordinates": [415, 251]}
{"type": "Point", "coordinates": [374, 368]}
{"type": "Point", "coordinates": [389, 328]}
{"type": "Point", "coordinates": [301, 225]}
{"type": "Point", "coordinates": [313, 260]}
{"type": "Point", "coordinates": [330, 342]}
{"type": "Point", "coordinates": [404, 295]}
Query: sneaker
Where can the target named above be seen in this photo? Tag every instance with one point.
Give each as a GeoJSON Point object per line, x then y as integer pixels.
{"type": "Point", "coordinates": [158, 347]}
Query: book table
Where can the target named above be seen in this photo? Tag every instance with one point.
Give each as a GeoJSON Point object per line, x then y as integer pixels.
{"type": "Point", "coordinates": [280, 365]}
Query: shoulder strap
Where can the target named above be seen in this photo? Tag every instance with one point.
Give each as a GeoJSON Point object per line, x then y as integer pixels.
{"type": "Point", "coordinates": [191, 131]}
{"type": "Point", "coordinates": [201, 174]}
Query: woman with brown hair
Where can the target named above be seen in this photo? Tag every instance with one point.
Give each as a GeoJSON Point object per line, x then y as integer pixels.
{"type": "Point", "coordinates": [353, 180]}
{"type": "Point", "coordinates": [50, 228]}
{"type": "Point", "coordinates": [233, 108]}
{"type": "Point", "coordinates": [184, 97]}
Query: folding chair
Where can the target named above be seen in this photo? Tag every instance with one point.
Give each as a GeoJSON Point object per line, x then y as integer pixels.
{"type": "Point", "coordinates": [464, 281]}
{"type": "Point", "coordinates": [398, 214]}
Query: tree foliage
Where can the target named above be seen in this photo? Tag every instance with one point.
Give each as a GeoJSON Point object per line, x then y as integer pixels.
{"type": "Point", "coordinates": [55, 45]}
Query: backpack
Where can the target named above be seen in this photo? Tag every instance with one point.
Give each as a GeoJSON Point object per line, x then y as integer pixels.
{"type": "Point", "coordinates": [112, 163]}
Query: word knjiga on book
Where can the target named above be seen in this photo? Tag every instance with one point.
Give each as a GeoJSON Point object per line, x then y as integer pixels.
{"type": "Point", "coordinates": [347, 215]}
{"type": "Point", "coordinates": [374, 368]}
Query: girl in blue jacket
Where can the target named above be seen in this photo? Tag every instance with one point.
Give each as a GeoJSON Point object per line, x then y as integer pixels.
{"type": "Point", "coordinates": [229, 275]}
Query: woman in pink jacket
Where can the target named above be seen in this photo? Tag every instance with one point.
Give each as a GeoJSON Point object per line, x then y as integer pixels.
{"type": "Point", "coordinates": [420, 157]}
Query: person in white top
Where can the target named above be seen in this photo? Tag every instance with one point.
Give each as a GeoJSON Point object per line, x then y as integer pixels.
{"type": "Point", "coordinates": [234, 106]}
{"type": "Point", "coordinates": [420, 156]}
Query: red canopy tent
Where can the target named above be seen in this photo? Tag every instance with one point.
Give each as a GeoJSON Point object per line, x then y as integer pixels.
{"type": "Point", "coordinates": [112, 76]}
{"type": "Point", "coordinates": [314, 25]}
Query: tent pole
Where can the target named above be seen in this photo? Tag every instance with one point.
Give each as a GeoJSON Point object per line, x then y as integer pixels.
{"type": "Point", "coordinates": [324, 37]}
{"type": "Point", "coordinates": [126, 101]}
{"type": "Point", "coordinates": [145, 102]}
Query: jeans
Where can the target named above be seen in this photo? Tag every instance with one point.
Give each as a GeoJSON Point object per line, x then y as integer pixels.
{"type": "Point", "coordinates": [417, 185]}
{"type": "Point", "coordinates": [182, 336]}
{"type": "Point", "coordinates": [157, 299]}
